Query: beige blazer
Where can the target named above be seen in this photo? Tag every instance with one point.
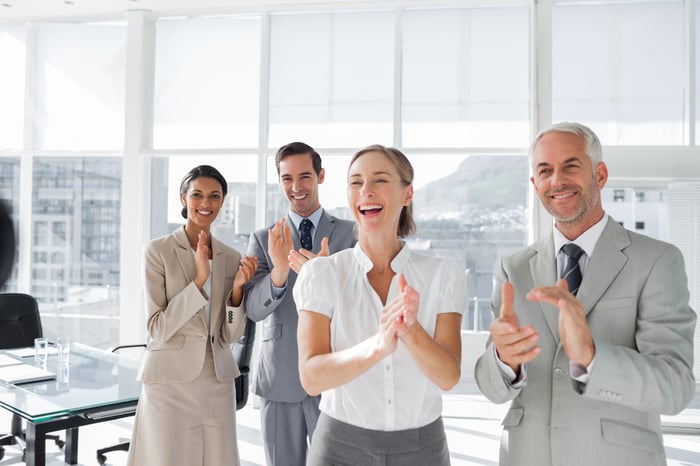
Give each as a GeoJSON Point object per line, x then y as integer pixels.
{"type": "Point", "coordinates": [635, 295]}
{"type": "Point", "coordinates": [176, 321]}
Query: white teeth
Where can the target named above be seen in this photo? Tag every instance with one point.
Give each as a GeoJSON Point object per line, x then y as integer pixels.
{"type": "Point", "coordinates": [562, 196]}
{"type": "Point", "coordinates": [204, 212]}
{"type": "Point", "coordinates": [298, 197]}
{"type": "Point", "coordinates": [370, 207]}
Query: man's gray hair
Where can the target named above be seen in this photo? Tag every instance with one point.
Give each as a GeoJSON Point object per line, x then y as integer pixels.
{"type": "Point", "coordinates": [592, 143]}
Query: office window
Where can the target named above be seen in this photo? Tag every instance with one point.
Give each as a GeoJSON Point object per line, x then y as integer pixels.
{"type": "Point", "coordinates": [619, 67]}
{"type": "Point", "coordinates": [332, 79]}
{"type": "Point", "coordinates": [73, 277]}
{"type": "Point", "coordinates": [472, 209]}
{"type": "Point", "coordinates": [12, 85]}
{"type": "Point", "coordinates": [207, 83]}
{"type": "Point", "coordinates": [457, 92]}
{"type": "Point", "coordinates": [79, 92]}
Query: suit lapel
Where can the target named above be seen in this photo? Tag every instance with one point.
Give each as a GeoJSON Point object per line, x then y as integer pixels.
{"type": "Point", "coordinates": [543, 268]}
{"type": "Point", "coordinates": [184, 254]}
{"type": "Point", "coordinates": [324, 229]}
{"type": "Point", "coordinates": [605, 263]}
{"type": "Point", "coordinates": [295, 234]}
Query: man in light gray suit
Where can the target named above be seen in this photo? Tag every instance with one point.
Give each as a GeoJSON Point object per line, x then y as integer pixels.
{"type": "Point", "coordinates": [288, 413]}
{"type": "Point", "coordinates": [589, 370]}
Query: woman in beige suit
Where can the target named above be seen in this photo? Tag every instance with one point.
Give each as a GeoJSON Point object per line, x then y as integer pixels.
{"type": "Point", "coordinates": [194, 301]}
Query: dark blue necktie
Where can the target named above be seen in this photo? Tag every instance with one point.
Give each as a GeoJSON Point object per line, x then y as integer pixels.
{"type": "Point", "coordinates": [572, 271]}
{"type": "Point", "coordinates": [305, 234]}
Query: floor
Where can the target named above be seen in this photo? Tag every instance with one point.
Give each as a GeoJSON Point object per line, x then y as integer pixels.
{"type": "Point", "coordinates": [472, 424]}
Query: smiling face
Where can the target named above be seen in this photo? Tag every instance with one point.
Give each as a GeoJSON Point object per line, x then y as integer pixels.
{"type": "Point", "coordinates": [300, 183]}
{"type": "Point", "coordinates": [567, 183]}
{"type": "Point", "coordinates": [203, 200]}
{"type": "Point", "coordinates": [376, 193]}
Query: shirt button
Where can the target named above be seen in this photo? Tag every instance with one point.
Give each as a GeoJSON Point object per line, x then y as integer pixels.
{"type": "Point", "coordinates": [558, 373]}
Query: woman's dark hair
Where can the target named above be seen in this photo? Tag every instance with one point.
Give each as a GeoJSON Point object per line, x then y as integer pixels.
{"type": "Point", "coordinates": [407, 226]}
{"type": "Point", "coordinates": [201, 171]}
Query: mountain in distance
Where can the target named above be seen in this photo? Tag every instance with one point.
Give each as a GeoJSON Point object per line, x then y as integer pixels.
{"type": "Point", "coordinates": [486, 191]}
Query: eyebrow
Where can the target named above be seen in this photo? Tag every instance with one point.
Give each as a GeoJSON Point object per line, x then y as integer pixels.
{"type": "Point", "coordinates": [569, 160]}
{"type": "Point", "coordinates": [197, 190]}
{"type": "Point", "coordinates": [373, 174]}
{"type": "Point", "coordinates": [288, 175]}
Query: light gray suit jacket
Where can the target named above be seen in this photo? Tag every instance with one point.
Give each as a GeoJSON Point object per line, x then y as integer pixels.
{"type": "Point", "coordinates": [176, 322]}
{"type": "Point", "coordinates": [277, 374]}
{"type": "Point", "coordinates": [636, 299]}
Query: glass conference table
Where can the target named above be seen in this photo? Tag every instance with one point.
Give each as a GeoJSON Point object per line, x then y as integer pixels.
{"type": "Point", "coordinates": [96, 386]}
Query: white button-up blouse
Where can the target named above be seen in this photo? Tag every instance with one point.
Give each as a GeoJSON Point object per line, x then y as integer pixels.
{"type": "Point", "coordinates": [394, 394]}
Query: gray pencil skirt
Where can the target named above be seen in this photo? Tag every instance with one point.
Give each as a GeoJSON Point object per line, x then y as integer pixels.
{"type": "Point", "coordinates": [336, 443]}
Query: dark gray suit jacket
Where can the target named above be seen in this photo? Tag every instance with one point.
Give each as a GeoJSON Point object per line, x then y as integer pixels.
{"type": "Point", "coordinates": [277, 374]}
{"type": "Point", "coordinates": [635, 295]}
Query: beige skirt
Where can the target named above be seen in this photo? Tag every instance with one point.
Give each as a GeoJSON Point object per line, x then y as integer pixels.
{"type": "Point", "coordinates": [186, 424]}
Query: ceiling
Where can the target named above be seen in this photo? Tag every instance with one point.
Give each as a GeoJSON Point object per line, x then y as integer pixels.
{"type": "Point", "coordinates": [100, 9]}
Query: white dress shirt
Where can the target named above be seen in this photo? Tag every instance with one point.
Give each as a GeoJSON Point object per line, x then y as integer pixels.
{"type": "Point", "coordinates": [393, 394]}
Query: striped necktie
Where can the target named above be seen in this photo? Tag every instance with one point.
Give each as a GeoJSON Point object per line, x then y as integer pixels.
{"type": "Point", "coordinates": [572, 270]}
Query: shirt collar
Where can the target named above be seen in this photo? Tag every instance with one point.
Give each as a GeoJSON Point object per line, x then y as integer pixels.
{"type": "Point", "coordinates": [397, 263]}
{"type": "Point", "coordinates": [586, 241]}
{"type": "Point", "coordinates": [314, 217]}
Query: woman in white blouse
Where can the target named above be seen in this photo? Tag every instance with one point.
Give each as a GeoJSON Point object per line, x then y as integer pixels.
{"type": "Point", "coordinates": [379, 329]}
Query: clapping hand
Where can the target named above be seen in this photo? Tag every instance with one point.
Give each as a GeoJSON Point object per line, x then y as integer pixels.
{"type": "Point", "coordinates": [574, 332]}
{"type": "Point", "coordinates": [515, 345]}
{"type": "Point", "coordinates": [298, 258]}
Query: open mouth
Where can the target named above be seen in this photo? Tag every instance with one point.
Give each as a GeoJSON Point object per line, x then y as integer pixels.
{"type": "Point", "coordinates": [369, 209]}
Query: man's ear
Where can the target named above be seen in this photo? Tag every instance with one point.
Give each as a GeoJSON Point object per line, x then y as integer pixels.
{"type": "Point", "coordinates": [601, 174]}
{"type": "Point", "coordinates": [321, 175]}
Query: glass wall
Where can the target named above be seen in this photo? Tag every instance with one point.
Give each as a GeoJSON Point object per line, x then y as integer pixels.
{"type": "Point", "coordinates": [460, 87]}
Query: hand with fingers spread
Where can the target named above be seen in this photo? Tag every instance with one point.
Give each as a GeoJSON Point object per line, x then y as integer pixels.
{"type": "Point", "coordinates": [278, 245]}
{"type": "Point", "coordinates": [574, 332]}
{"type": "Point", "coordinates": [515, 345]}
{"type": "Point", "coordinates": [298, 258]}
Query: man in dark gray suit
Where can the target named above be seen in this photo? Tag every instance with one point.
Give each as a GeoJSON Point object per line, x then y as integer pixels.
{"type": "Point", "coordinates": [589, 361]}
{"type": "Point", "coordinates": [288, 413]}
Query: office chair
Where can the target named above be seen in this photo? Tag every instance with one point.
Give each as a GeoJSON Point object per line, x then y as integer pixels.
{"type": "Point", "coordinates": [124, 445]}
{"type": "Point", "coordinates": [20, 324]}
{"type": "Point", "coordinates": [242, 351]}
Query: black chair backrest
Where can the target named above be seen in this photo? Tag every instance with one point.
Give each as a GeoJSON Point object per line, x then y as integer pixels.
{"type": "Point", "coordinates": [242, 351]}
{"type": "Point", "coordinates": [20, 322]}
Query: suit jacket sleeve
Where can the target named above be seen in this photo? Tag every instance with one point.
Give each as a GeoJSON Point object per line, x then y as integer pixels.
{"type": "Point", "coordinates": [234, 318]}
{"type": "Point", "coordinates": [166, 314]}
{"type": "Point", "coordinates": [487, 374]}
{"type": "Point", "coordinates": [657, 375]}
{"type": "Point", "coordinates": [259, 302]}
